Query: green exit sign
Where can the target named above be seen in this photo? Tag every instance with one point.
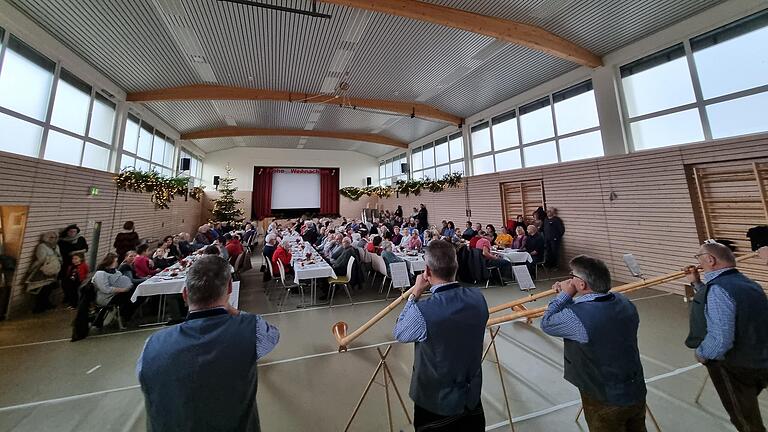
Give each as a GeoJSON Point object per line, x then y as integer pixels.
{"type": "Point", "coordinates": [93, 191]}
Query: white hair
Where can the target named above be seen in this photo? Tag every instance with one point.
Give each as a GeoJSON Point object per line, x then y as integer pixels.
{"type": "Point", "coordinates": [356, 237]}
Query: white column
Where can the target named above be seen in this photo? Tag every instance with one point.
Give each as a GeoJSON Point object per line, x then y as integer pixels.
{"type": "Point", "coordinates": [609, 111]}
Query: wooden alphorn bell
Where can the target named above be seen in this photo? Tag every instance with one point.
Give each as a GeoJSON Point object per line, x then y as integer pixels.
{"type": "Point", "coordinates": [633, 286]}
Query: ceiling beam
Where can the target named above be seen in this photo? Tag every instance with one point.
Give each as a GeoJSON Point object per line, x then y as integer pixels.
{"type": "Point", "coordinates": [514, 32]}
{"type": "Point", "coordinates": [217, 92]}
{"type": "Point", "coordinates": [233, 131]}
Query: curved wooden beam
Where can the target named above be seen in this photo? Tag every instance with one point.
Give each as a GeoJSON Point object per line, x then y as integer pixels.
{"type": "Point", "coordinates": [217, 92]}
{"type": "Point", "coordinates": [514, 32]}
{"type": "Point", "coordinates": [232, 131]}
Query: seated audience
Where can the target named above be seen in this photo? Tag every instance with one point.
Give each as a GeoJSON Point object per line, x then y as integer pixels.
{"type": "Point", "coordinates": [375, 245]}
{"type": "Point", "coordinates": [234, 248]}
{"type": "Point", "coordinates": [221, 243]}
{"type": "Point", "coordinates": [126, 268]}
{"type": "Point", "coordinates": [201, 238]}
{"type": "Point", "coordinates": [449, 231]}
{"type": "Point", "coordinates": [359, 241]}
{"type": "Point", "coordinates": [182, 243]}
{"type": "Point", "coordinates": [520, 239]}
{"type": "Point", "coordinates": [113, 288]}
{"type": "Point", "coordinates": [388, 255]}
{"type": "Point", "coordinates": [339, 264]}
{"type": "Point", "coordinates": [475, 238]}
{"type": "Point", "coordinates": [202, 374]}
{"type": "Point", "coordinates": [443, 227]}
{"type": "Point", "coordinates": [166, 253]}
{"type": "Point", "coordinates": [504, 239]}
{"type": "Point", "coordinates": [270, 244]}
{"type": "Point", "coordinates": [414, 242]}
{"type": "Point", "coordinates": [143, 267]}
{"type": "Point", "coordinates": [282, 254]}
{"type": "Point", "coordinates": [469, 232]}
{"type": "Point", "coordinates": [397, 238]}
{"type": "Point", "coordinates": [491, 230]}
{"type": "Point", "coordinates": [491, 260]}
{"type": "Point", "coordinates": [76, 275]}
{"type": "Point", "coordinates": [535, 244]}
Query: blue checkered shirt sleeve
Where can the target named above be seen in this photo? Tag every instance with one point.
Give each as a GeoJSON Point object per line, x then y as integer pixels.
{"type": "Point", "coordinates": [720, 312]}
{"type": "Point", "coordinates": [267, 337]}
{"type": "Point", "coordinates": [562, 322]}
{"type": "Point", "coordinates": [410, 326]}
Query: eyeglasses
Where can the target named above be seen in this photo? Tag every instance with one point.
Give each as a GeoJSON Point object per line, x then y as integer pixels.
{"type": "Point", "coordinates": [577, 277]}
{"type": "Point", "coordinates": [701, 254]}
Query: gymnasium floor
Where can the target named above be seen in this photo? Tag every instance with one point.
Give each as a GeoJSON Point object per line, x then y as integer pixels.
{"type": "Point", "coordinates": [50, 384]}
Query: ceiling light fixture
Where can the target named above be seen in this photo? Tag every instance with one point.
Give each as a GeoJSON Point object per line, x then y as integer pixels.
{"type": "Point", "coordinates": [312, 13]}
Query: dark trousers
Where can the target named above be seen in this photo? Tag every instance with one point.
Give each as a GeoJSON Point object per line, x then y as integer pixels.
{"type": "Point", "coordinates": [738, 389]}
{"type": "Point", "coordinates": [612, 418]}
{"type": "Point", "coordinates": [469, 421]}
{"type": "Point", "coordinates": [552, 253]}
{"type": "Point", "coordinates": [43, 298]}
{"type": "Point", "coordinates": [70, 289]}
{"type": "Point", "coordinates": [127, 307]}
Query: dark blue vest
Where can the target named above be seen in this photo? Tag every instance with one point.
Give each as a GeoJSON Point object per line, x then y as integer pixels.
{"type": "Point", "coordinates": [750, 344]}
{"type": "Point", "coordinates": [607, 367]}
{"type": "Point", "coordinates": [447, 374]}
{"type": "Point", "coordinates": [201, 375]}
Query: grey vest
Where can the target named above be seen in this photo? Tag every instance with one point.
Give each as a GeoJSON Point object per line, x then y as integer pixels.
{"type": "Point", "coordinates": [750, 345]}
{"type": "Point", "coordinates": [607, 367]}
{"type": "Point", "coordinates": [201, 375]}
{"type": "Point", "coordinates": [447, 374]}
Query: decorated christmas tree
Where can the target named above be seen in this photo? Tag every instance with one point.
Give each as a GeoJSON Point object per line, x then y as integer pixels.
{"type": "Point", "coordinates": [225, 206]}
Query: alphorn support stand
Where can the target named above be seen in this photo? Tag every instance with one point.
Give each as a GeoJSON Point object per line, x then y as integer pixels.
{"type": "Point", "coordinates": [701, 390]}
{"type": "Point", "coordinates": [501, 373]}
{"type": "Point", "coordinates": [647, 409]}
{"type": "Point", "coordinates": [388, 380]}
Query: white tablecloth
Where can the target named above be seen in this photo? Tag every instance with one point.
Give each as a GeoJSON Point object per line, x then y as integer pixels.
{"type": "Point", "coordinates": [320, 269]}
{"type": "Point", "coordinates": [415, 263]}
{"type": "Point", "coordinates": [515, 256]}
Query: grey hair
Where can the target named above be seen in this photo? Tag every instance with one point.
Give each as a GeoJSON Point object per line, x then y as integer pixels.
{"type": "Point", "coordinates": [386, 245]}
{"type": "Point", "coordinates": [270, 238]}
{"type": "Point", "coordinates": [593, 272]}
{"type": "Point", "coordinates": [721, 253]}
{"type": "Point", "coordinates": [356, 237]}
{"type": "Point", "coordinates": [440, 257]}
{"type": "Point", "coordinates": [208, 279]}
{"type": "Point", "coordinates": [285, 244]}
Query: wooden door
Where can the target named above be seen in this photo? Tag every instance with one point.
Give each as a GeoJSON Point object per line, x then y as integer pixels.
{"type": "Point", "coordinates": [522, 198]}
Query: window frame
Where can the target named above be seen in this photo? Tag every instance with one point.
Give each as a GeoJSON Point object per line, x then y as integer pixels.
{"type": "Point", "coordinates": [158, 138]}
{"type": "Point", "coordinates": [396, 160]}
{"type": "Point", "coordinates": [431, 146]}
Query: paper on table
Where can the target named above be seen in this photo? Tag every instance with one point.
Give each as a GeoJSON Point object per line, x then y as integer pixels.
{"type": "Point", "coordinates": [399, 272]}
{"type": "Point", "coordinates": [523, 278]}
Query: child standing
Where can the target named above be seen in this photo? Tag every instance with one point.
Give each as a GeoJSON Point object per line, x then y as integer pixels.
{"type": "Point", "coordinates": [77, 273]}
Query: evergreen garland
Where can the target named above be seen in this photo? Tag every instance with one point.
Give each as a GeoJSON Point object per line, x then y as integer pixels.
{"type": "Point", "coordinates": [404, 187]}
{"type": "Point", "coordinates": [163, 189]}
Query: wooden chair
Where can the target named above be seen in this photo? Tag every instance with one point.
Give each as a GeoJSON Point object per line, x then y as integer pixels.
{"type": "Point", "coordinates": [341, 280]}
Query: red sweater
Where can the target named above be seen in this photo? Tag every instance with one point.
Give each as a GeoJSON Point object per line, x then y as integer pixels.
{"type": "Point", "coordinates": [283, 256]}
{"type": "Point", "coordinates": [82, 271]}
{"type": "Point", "coordinates": [141, 267]}
{"type": "Point", "coordinates": [234, 248]}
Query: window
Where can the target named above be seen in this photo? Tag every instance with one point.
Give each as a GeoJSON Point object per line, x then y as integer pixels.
{"type": "Point", "coordinates": [438, 158]}
{"type": "Point", "coordinates": [481, 139]}
{"type": "Point", "coordinates": [26, 80]}
{"type": "Point", "coordinates": [667, 106]}
{"type": "Point", "coordinates": [483, 165]}
{"type": "Point", "coordinates": [78, 131]}
{"type": "Point", "coordinates": [147, 148]}
{"type": "Point", "coordinates": [532, 135]}
{"type": "Point", "coordinates": [392, 170]}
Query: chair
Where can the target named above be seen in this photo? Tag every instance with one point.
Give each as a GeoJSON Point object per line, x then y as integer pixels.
{"type": "Point", "coordinates": [288, 286]}
{"type": "Point", "coordinates": [342, 280]}
{"type": "Point", "coordinates": [268, 265]}
{"type": "Point", "coordinates": [379, 267]}
{"type": "Point", "coordinates": [543, 268]}
{"type": "Point", "coordinates": [491, 269]}
{"type": "Point", "coordinates": [238, 263]}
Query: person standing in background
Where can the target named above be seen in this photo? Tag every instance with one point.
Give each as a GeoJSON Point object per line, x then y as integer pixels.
{"type": "Point", "coordinates": [126, 240]}
{"type": "Point", "coordinates": [554, 229]}
{"type": "Point", "coordinates": [422, 218]}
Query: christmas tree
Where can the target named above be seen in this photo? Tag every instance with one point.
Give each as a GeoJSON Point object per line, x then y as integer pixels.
{"type": "Point", "coordinates": [225, 206]}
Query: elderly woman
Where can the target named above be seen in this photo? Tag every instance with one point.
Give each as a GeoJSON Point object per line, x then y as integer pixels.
{"type": "Point", "coordinates": [388, 255]}
{"type": "Point", "coordinates": [113, 288]}
{"type": "Point", "coordinates": [282, 254]}
{"type": "Point", "coordinates": [42, 276]}
{"type": "Point", "coordinates": [414, 242]}
{"type": "Point", "coordinates": [201, 238]}
{"type": "Point", "coordinates": [520, 238]}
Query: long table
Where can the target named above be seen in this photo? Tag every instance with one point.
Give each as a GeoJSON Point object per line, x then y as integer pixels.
{"type": "Point", "coordinates": [303, 270]}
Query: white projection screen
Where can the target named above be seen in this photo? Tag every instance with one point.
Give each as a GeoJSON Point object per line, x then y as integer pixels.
{"type": "Point", "coordinates": [295, 188]}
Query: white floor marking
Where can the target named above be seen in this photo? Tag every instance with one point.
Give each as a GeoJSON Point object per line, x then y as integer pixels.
{"type": "Point", "coordinates": [93, 369]}
{"type": "Point", "coordinates": [325, 307]}
{"type": "Point", "coordinates": [89, 337]}
{"type": "Point", "coordinates": [324, 354]}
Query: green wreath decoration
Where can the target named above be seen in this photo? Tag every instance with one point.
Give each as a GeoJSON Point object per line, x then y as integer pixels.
{"type": "Point", "coordinates": [162, 188]}
{"type": "Point", "coordinates": [404, 187]}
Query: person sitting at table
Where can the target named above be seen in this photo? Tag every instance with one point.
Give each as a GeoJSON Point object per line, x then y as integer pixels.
{"type": "Point", "coordinates": [359, 241]}
{"type": "Point", "coordinates": [389, 256]}
{"type": "Point", "coordinates": [143, 267]}
{"type": "Point", "coordinates": [282, 254]}
{"type": "Point", "coordinates": [234, 248]}
{"type": "Point", "coordinates": [249, 233]}
{"type": "Point", "coordinates": [534, 245]}
{"type": "Point", "coordinates": [201, 238]}
{"type": "Point", "coordinates": [270, 244]}
{"type": "Point", "coordinates": [221, 243]}
{"type": "Point", "coordinates": [310, 234]}
{"type": "Point", "coordinates": [396, 236]}
{"type": "Point", "coordinates": [469, 232]}
{"type": "Point", "coordinates": [429, 236]}
{"type": "Point", "coordinates": [443, 226]}
{"type": "Point", "coordinates": [113, 288]}
{"type": "Point", "coordinates": [504, 239]}
{"type": "Point", "coordinates": [126, 268]}
{"type": "Point", "coordinates": [334, 247]}
{"type": "Point", "coordinates": [491, 260]}
{"type": "Point", "coordinates": [375, 245]}
{"type": "Point", "coordinates": [449, 231]}
{"type": "Point", "coordinates": [414, 242]}
{"type": "Point", "coordinates": [491, 230]}
{"type": "Point", "coordinates": [475, 238]}
{"type": "Point", "coordinates": [339, 263]}
{"type": "Point", "coordinates": [520, 239]}
{"type": "Point", "coordinates": [163, 256]}
{"type": "Point", "coordinates": [181, 240]}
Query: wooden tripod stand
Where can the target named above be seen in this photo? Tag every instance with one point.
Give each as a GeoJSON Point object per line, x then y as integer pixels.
{"type": "Point", "coordinates": [388, 380]}
{"type": "Point", "coordinates": [495, 332]}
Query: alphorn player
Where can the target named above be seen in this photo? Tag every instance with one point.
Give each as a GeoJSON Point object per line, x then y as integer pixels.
{"type": "Point", "coordinates": [448, 330]}
{"type": "Point", "coordinates": [729, 330]}
{"type": "Point", "coordinates": [599, 329]}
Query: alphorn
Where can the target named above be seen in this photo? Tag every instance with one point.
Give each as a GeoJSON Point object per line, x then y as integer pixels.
{"type": "Point", "coordinates": [633, 286]}
{"type": "Point", "coordinates": [340, 328]}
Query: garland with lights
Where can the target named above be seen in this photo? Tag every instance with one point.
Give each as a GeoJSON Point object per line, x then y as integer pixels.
{"type": "Point", "coordinates": [162, 188]}
{"type": "Point", "coordinates": [404, 187]}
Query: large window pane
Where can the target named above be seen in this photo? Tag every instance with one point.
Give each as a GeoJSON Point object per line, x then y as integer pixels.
{"type": "Point", "coordinates": [418, 175]}
{"type": "Point", "coordinates": [456, 145]}
{"type": "Point", "coordinates": [678, 128]}
{"type": "Point", "coordinates": [441, 151]}
{"type": "Point", "coordinates": [382, 170]}
{"type": "Point", "coordinates": [442, 171]}
{"type": "Point", "coordinates": [483, 165]}
{"type": "Point", "coordinates": [508, 160]}
{"type": "Point", "coordinates": [540, 154]}
{"type": "Point", "coordinates": [428, 153]}
{"type": "Point", "coordinates": [661, 81]}
{"type": "Point", "coordinates": [575, 112]}
{"type": "Point", "coordinates": [95, 157]}
{"type": "Point", "coordinates": [739, 117]}
{"type": "Point", "coordinates": [142, 165]}
{"type": "Point", "coordinates": [481, 139]}
{"type": "Point", "coordinates": [158, 148]}
{"type": "Point", "coordinates": [457, 167]}
{"type": "Point", "coordinates": [416, 160]}
{"type": "Point", "coordinates": [536, 121]}
{"type": "Point", "coordinates": [19, 136]}
{"type": "Point", "coordinates": [63, 148]}
{"type": "Point", "coordinates": [25, 80]}
{"type": "Point", "coordinates": [389, 168]}
{"type": "Point", "coordinates": [71, 104]}
{"type": "Point", "coordinates": [102, 120]}
{"type": "Point", "coordinates": [131, 137]}
{"type": "Point", "coordinates": [505, 132]}
{"type": "Point", "coordinates": [733, 58]}
{"type": "Point", "coordinates": [169, 149]}
{"type": "Point", "coordinates": [583, 146]}
{"type": "Point", "coordinates": [429, 173]}
{"type": "Point", "coordinates": [126, 162]}
{"type": "Point", "coordinates": [145, 141]}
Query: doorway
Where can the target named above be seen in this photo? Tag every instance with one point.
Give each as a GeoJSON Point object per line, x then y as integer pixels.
{"type": "Point", "coordinates": [13, 221]}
